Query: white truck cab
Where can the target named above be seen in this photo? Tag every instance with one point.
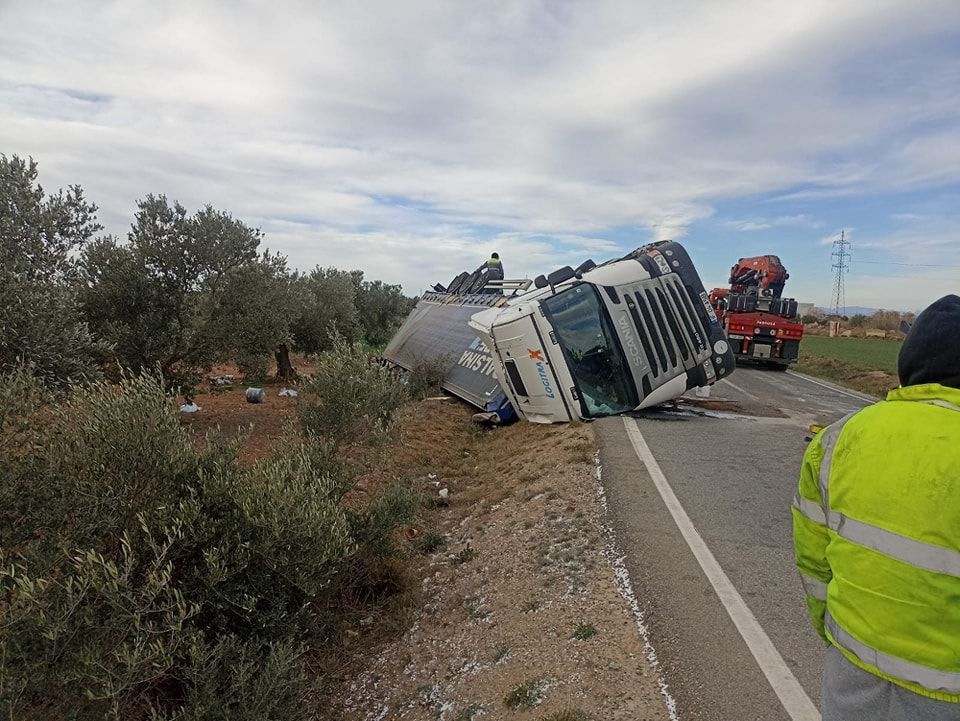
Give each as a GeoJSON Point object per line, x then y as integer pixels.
{"type": "Point", "coordinates": [602, 340]}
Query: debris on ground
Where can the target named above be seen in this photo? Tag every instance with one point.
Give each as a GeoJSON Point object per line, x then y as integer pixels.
{"type": "Point", "coordinates": [255, 395]}
{"type": "Point", "coordinates": [189, 406]}
{"type": "Point", "coordinates": [224, 379]}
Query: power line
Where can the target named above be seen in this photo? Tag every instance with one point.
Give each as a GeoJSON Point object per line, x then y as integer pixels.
{"type": "Point", "coordinates": [912, 277]}
{"type": "Point", "coordinates": [912, 265]}
{"type": "Point", "coordinates": [842, 255]}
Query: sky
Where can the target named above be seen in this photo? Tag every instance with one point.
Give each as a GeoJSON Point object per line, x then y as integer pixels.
{"type": "Point", "coordinates": [411, 139]}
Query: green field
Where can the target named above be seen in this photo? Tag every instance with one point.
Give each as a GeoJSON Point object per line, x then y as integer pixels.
{"type": "Point", "coordinates": [868, 353]}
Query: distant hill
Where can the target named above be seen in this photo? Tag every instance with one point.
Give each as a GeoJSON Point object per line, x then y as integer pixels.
{"type": "Point", "coordinates": [859, 310]}
{"type": "Point", "coordinates": [851, 310]}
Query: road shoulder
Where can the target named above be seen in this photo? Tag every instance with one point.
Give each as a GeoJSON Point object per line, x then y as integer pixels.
{"type": "Point", "coordinates": [525, 611]}
{"type": "Point", "coordinates": [706, 664]}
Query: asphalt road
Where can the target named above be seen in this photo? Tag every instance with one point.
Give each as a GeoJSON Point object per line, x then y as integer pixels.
{"type": "Point", "coordinates": [732, 463]}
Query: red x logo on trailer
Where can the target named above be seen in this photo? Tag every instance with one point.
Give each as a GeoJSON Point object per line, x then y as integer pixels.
{"type": "Point", "coordinates": [536, 355]}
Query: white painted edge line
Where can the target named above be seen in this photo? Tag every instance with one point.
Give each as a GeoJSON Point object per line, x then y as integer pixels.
{"type": "Point", "coordinates": [794, 699]}
{"type": "Point", "coordinates": [621, 577]}
{"type": "Point", "coordinates": [745, 392]}
{"type": "Point", "coordinates": [834, 388]}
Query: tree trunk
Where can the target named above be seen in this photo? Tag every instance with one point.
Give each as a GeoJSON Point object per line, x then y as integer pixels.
{"type": "Point", "coordinates": [285, 369]}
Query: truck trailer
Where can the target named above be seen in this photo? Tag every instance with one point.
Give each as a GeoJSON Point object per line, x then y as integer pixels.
{"type": "Point", "coordinates": [581, 343]}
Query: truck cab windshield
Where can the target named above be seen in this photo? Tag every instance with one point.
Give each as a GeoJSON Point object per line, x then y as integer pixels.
{"type": "Point", "coordinates": [592, 351]}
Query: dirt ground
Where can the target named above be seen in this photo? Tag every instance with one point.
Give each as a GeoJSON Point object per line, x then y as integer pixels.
{"type": "Point", "coordinates": [520, 608]}
{"type": "Point", "coordinates": [522, 614]}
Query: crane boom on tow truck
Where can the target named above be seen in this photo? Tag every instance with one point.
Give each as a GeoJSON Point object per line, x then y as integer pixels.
{"type": "Point", "coordinates": [762, 325]}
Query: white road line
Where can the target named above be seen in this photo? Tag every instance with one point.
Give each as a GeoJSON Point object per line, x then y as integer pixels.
{"type": "Point", "coordinates": [791, 694]}
{"type": "Point", "coordinates": [862, 399]}
{"type": "Point", "coordinates": [735, 387]}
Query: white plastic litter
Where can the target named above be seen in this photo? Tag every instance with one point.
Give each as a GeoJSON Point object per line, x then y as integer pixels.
{"type": "Point", "coordinates": [189, 408]}
{"type": "Point", "coordinates": [288, 392]}
{"type": "Point", "coordinates": [255, 395]}
{"type": "Point", "coordinates": [444, 493]}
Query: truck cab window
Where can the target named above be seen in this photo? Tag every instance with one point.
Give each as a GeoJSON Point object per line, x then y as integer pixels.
{"type": "Point", "coordinates": [589, 345]}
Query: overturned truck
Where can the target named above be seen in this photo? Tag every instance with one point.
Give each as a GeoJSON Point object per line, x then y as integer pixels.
{"type": "Point", "coordinates": [581, 343]}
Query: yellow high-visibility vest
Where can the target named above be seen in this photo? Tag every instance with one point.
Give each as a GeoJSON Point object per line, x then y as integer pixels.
{"type": "Point", "coordinates": [876, 526]}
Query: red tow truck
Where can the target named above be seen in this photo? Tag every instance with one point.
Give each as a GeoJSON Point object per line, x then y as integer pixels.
{"type": "Point", "coordinates": [762, 326]}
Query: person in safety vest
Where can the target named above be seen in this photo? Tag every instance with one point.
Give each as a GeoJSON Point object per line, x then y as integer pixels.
{"type": "Point", "coordinates": [876, 525]}
{"type": "Point", "coordinates": [494, 267]}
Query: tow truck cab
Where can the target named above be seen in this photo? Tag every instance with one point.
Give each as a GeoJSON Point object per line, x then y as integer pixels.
{"type": "Point", "coordinates": [607, 339]}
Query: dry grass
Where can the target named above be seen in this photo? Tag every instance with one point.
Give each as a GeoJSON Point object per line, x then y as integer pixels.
{"type": "Point", "coordinates": [864, 364]}
{"type": "Point", "coordinates": [471, 614]}
{"type": "Point", "coordinates": [873, 382]}
{"type": "Point", "coordinates": [522, 572]}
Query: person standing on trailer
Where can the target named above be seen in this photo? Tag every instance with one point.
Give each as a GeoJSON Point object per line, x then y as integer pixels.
{"type": "Point", "coordinates": [494, 267]}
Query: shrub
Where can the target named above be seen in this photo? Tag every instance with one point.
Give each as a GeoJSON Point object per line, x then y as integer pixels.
{"type": "Point", "coordinates": [371, 574]}
{"type": "Point", "coordinates": [23, 395]}
{"type": "Point", "coordinates": [349, 397]}
{"type": "Point", "coordinates": [431, 542]}
{"type": "Point", "coordinates": [373, 526]}
{"type": "Point", "coordinates": [584, 632]}
{"type": "Point", "coordinates": [146, 578]}
{"type": "Point", "coordinates": [427, 375]}
{"type": "Point", "coordinates": [94, 635]}
{"type": "Point", "coordinates": [254, 368]}
{"type": "Point", "coordinates": [114, 451]}
{"type": "Point", "coordinates": [526, 695]}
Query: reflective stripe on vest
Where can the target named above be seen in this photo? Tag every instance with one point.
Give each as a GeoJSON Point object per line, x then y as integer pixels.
{"type": "Point", "coordinates": [942, 404]}
{"type": "Point", "coordinates": [813, 587]}
{"type": "Point", "coordinates": [916, 553]}
{"type": "Point", "coordinates": [828, 441]}
{"type": "Point", "coordinates": [925, 676]}
{"type": "Point", "coordinates": [902, 548]}
{"type": "Point", "coordinates": [810, 509]}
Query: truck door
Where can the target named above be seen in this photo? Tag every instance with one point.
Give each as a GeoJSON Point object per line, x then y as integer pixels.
{"type": "Point", "coordinates": [530, 371]}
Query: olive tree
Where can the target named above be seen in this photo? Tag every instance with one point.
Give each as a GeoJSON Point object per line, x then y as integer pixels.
{"type": "Point", "coordinates": [163, 298]}
{"type": "Point", "coordinates": [40, 325]}
{"type": "Point", "coordinates": [381, 308]}
{"type": "Point", "coordinates": [252, 322]}
{"type": "Point", "coordinates": [329, 306]}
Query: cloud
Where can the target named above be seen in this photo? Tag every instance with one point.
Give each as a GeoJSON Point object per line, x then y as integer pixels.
{"type": "Point", "coordinates": [761, 223]}
{"type": "Point", "coordinates": [846, 233]}
{"type": "Point", "coordinates": [394, 256]}
{"type": "Point", "coordinates": [409, 139]}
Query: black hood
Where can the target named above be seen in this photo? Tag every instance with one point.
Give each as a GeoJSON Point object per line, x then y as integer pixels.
{"type": "Point", "coordinates": [931, 352]}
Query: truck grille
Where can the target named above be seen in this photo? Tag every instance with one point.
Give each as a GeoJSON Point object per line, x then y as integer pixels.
{"type": "Point", "coordinates": [670, 331]}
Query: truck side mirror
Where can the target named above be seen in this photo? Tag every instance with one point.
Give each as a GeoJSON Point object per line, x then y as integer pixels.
{"type": "Point", "coordinates": [560, 275]}
{"type": "Point", "coordinates": [585, 266]}
{"type": "Point", "coordinates": [540, 281]}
